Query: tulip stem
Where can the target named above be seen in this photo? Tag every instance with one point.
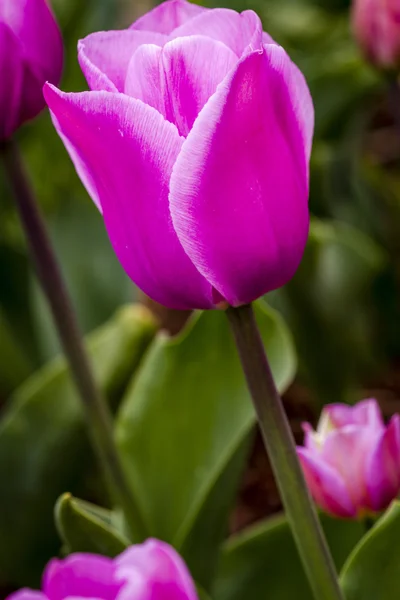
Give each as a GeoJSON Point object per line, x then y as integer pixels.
{"type": "Point", "coordinates": [98, 416]}
{"type": "Point", "coordinates": [280, 446]}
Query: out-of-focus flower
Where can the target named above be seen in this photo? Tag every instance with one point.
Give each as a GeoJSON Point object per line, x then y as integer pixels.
{"type": "Point", "coordinates": [194, 143]}
{"type": "Point", "coordinates": [149, 571]}
{"type": "Point", "coordinates": [376, 26]}
{"type": "Point", "coordinates": [352, 461]}
{"type": "Point", "coordinates": [31, 53]}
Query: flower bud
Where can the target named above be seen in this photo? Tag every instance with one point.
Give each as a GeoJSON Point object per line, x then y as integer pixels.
{"type": "Point", "coordinates": [194, 142]}
{"type": "Point", "coordinates": [352, 461]}
{"type": "Point", "coordinates": [149, 570]}
{"type": "Point", "coordinates": [376, 26]}
{"type": "Point", "coordinates": [31, 53]}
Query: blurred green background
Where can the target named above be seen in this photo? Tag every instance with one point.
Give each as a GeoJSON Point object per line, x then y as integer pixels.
{"type": "Point", "coordinates": [343, 305]}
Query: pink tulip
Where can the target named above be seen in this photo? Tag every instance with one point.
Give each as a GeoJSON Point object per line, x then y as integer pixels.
{"type": "Point", "coordinates": [194, 143]}
{"type": "Point", "coordinates": [31, 53]}
{"type": "Point", "coordinates": [376, 26]}
{"type": "Point", "coordinates": [149, 571]}
{"type": "Point", "coordinates": [352, 461]}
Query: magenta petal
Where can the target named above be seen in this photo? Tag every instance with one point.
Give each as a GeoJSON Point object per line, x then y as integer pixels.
{"type": "Point", "coordinates": [238, 31]}
{"type": "Point", "coordinates": [33, 23]}
{"type": "Point", "coordinates": [309, 438]}
{"type": "Point", "coordinates": [154, 570]}
{"type": "Point", "coordinates": [11, 82]}
{"type": "Point", "coordinates": [80, 576]}
{"type": "Point", "coordinates": [239, 188]}
{"type": "Point", "coordinates": [178, 79]}
{"type": "Point", "coordinates": [347, 450]}
{"type": "Point", "coordinates": [267, 39]}
{"type": "Point", "coordinates": [383, 467]}
{"type": "Point", "coordinates": [128, 150]}
{"type": "Point", "coordinates": [326, 486]}
{"type": "Point", "coordinates": [145, 79]}
{"type": "Point", "coordinates": [40, 52]}
{"type": "Point", "coordinates": [194, 66]}
{"type": "Point", "coordinates": [165, 17]}
{"type": "Point", "coordinates": [104, 57]}
{"type": "Point", "coordinates": [366, 412]}
{"type": "Point", "coordinates": [27, 594]}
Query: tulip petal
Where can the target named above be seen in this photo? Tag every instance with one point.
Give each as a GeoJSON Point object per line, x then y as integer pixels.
{"type": "Point", "coordinates": [366, 412]}
{"type": "Point", "coordinates": [239, 188]}
{"type": "Point", "coordinates": [34, 25]}
{"type": "Point", "coordinates": [154, 570]}
{"type": "Point", "coordinates": [167, 16]}
{"type": "Point", "coordinates": [11, 81]}
{"type": "Point", "coordinates": [178, 79]}
{"type": "Point", "coordinates": [128, 150]}
{"type": "Point", "coordinates": [238, 31]}
{"type": "Point", "coordinates": [27, 594]}
{"type": "Point", "coordinates": [347, 450]}
{"type": "Point", "coordinates": [145, 79]}
{"type": "Point", "coordinates": [383, 467]}
{"type": "Point", "coordinates": [80, 576]}
{"type": "Point", "coordinates": [311, 441]}
{"type": "Point", "coordinates": [326, 486]}
{"type": "Point", "coordinates": [104, 57]}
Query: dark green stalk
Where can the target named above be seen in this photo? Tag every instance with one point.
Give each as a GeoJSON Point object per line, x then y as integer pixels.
{"type": "Point", "coordinates": [99, 419]}
{"type": "Point", "coordinates": [280, 445]}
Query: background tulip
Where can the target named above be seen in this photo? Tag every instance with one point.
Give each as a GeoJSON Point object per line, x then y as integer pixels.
{"type": "Point", "coordinates": [31, 53]}
{"type": "Point", "coordinates": [352, 461]}
{"type": "Point", "coordinates": [149, 571]}
{"type": "Point", "coordinates": [194, 143]}
{"type": "Point", "coordinates": [376, 25]}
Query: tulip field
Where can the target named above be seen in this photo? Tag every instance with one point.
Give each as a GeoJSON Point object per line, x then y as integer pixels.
{"type": "Point", "coordinates": [200, 300]}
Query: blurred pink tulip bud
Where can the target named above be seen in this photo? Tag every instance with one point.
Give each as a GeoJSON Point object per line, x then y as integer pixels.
{"type": "Point", "coordinates": [194, 143]}
{"type": "Point", "coordinates": [149, 571]}
{"type": "Point", "coordinates": [31, 53]}
{"type": "Point", "coordinates": [352, 461]}
{"type": "Point", "coordinates": [376, 26]}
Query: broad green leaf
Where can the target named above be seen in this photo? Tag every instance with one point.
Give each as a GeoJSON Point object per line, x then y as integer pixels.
{"type": "Point", "coordinates": [43, 445]}
{"type": "Point", "coordinates": [263, 562]}
{"type": "Point", "coordinates": [372, 571]}
{"type": "Point", "coordinates": [84, 527]}
{"type": "Point", "coordinates": [184, 427]}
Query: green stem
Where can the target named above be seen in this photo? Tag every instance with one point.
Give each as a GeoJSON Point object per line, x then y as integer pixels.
{"type": "Point", "coordinates": [280, 445]}
{"type": "Point", "coordinates": [97, 413]}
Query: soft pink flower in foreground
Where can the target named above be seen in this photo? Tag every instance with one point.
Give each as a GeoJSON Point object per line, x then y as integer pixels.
{"type": "Point", "coordinates": [31, 53]}
{"type": "Point", "coordinates": [376, 26]}
{"type": "Point", "coordinates": [149, 571]}
{"type": "Point", "coordinates": [352, 461]}
{"type": "Point", "coordinates": [194, 143]}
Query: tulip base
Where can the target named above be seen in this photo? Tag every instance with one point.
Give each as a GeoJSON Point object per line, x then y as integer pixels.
{"type": "Point", "coordinates": [280, 446]}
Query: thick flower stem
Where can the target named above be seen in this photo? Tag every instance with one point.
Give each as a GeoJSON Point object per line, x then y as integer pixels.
{"type": "Point", "coordinates": [97, 413]}
{"type": "Point", "coordinates": [281, 449]}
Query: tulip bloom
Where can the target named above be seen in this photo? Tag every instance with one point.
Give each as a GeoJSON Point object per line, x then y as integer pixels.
{"type": "Point", "coordinates": [149, 571]}
{"type": "Point", "coordinates": [31, 53]}
{"type": "Point", "coordinates": [376, 26]}
{"type": "Point", "coordinates": [352, 461]}
{"type": "Point", "coordinates": [194, 143]}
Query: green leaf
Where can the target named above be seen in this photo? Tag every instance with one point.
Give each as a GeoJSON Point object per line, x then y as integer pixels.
{"type": "Point", "coordinates": [372, 572]}
{"type": "Point", "coordinates": [43, 445]}
{"type": "Point", "coordinates": [84, 527]}
{"type": "Point", "coordinates": [263, 562]}
{"type": "Point", "coordinates": [183, 431]}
